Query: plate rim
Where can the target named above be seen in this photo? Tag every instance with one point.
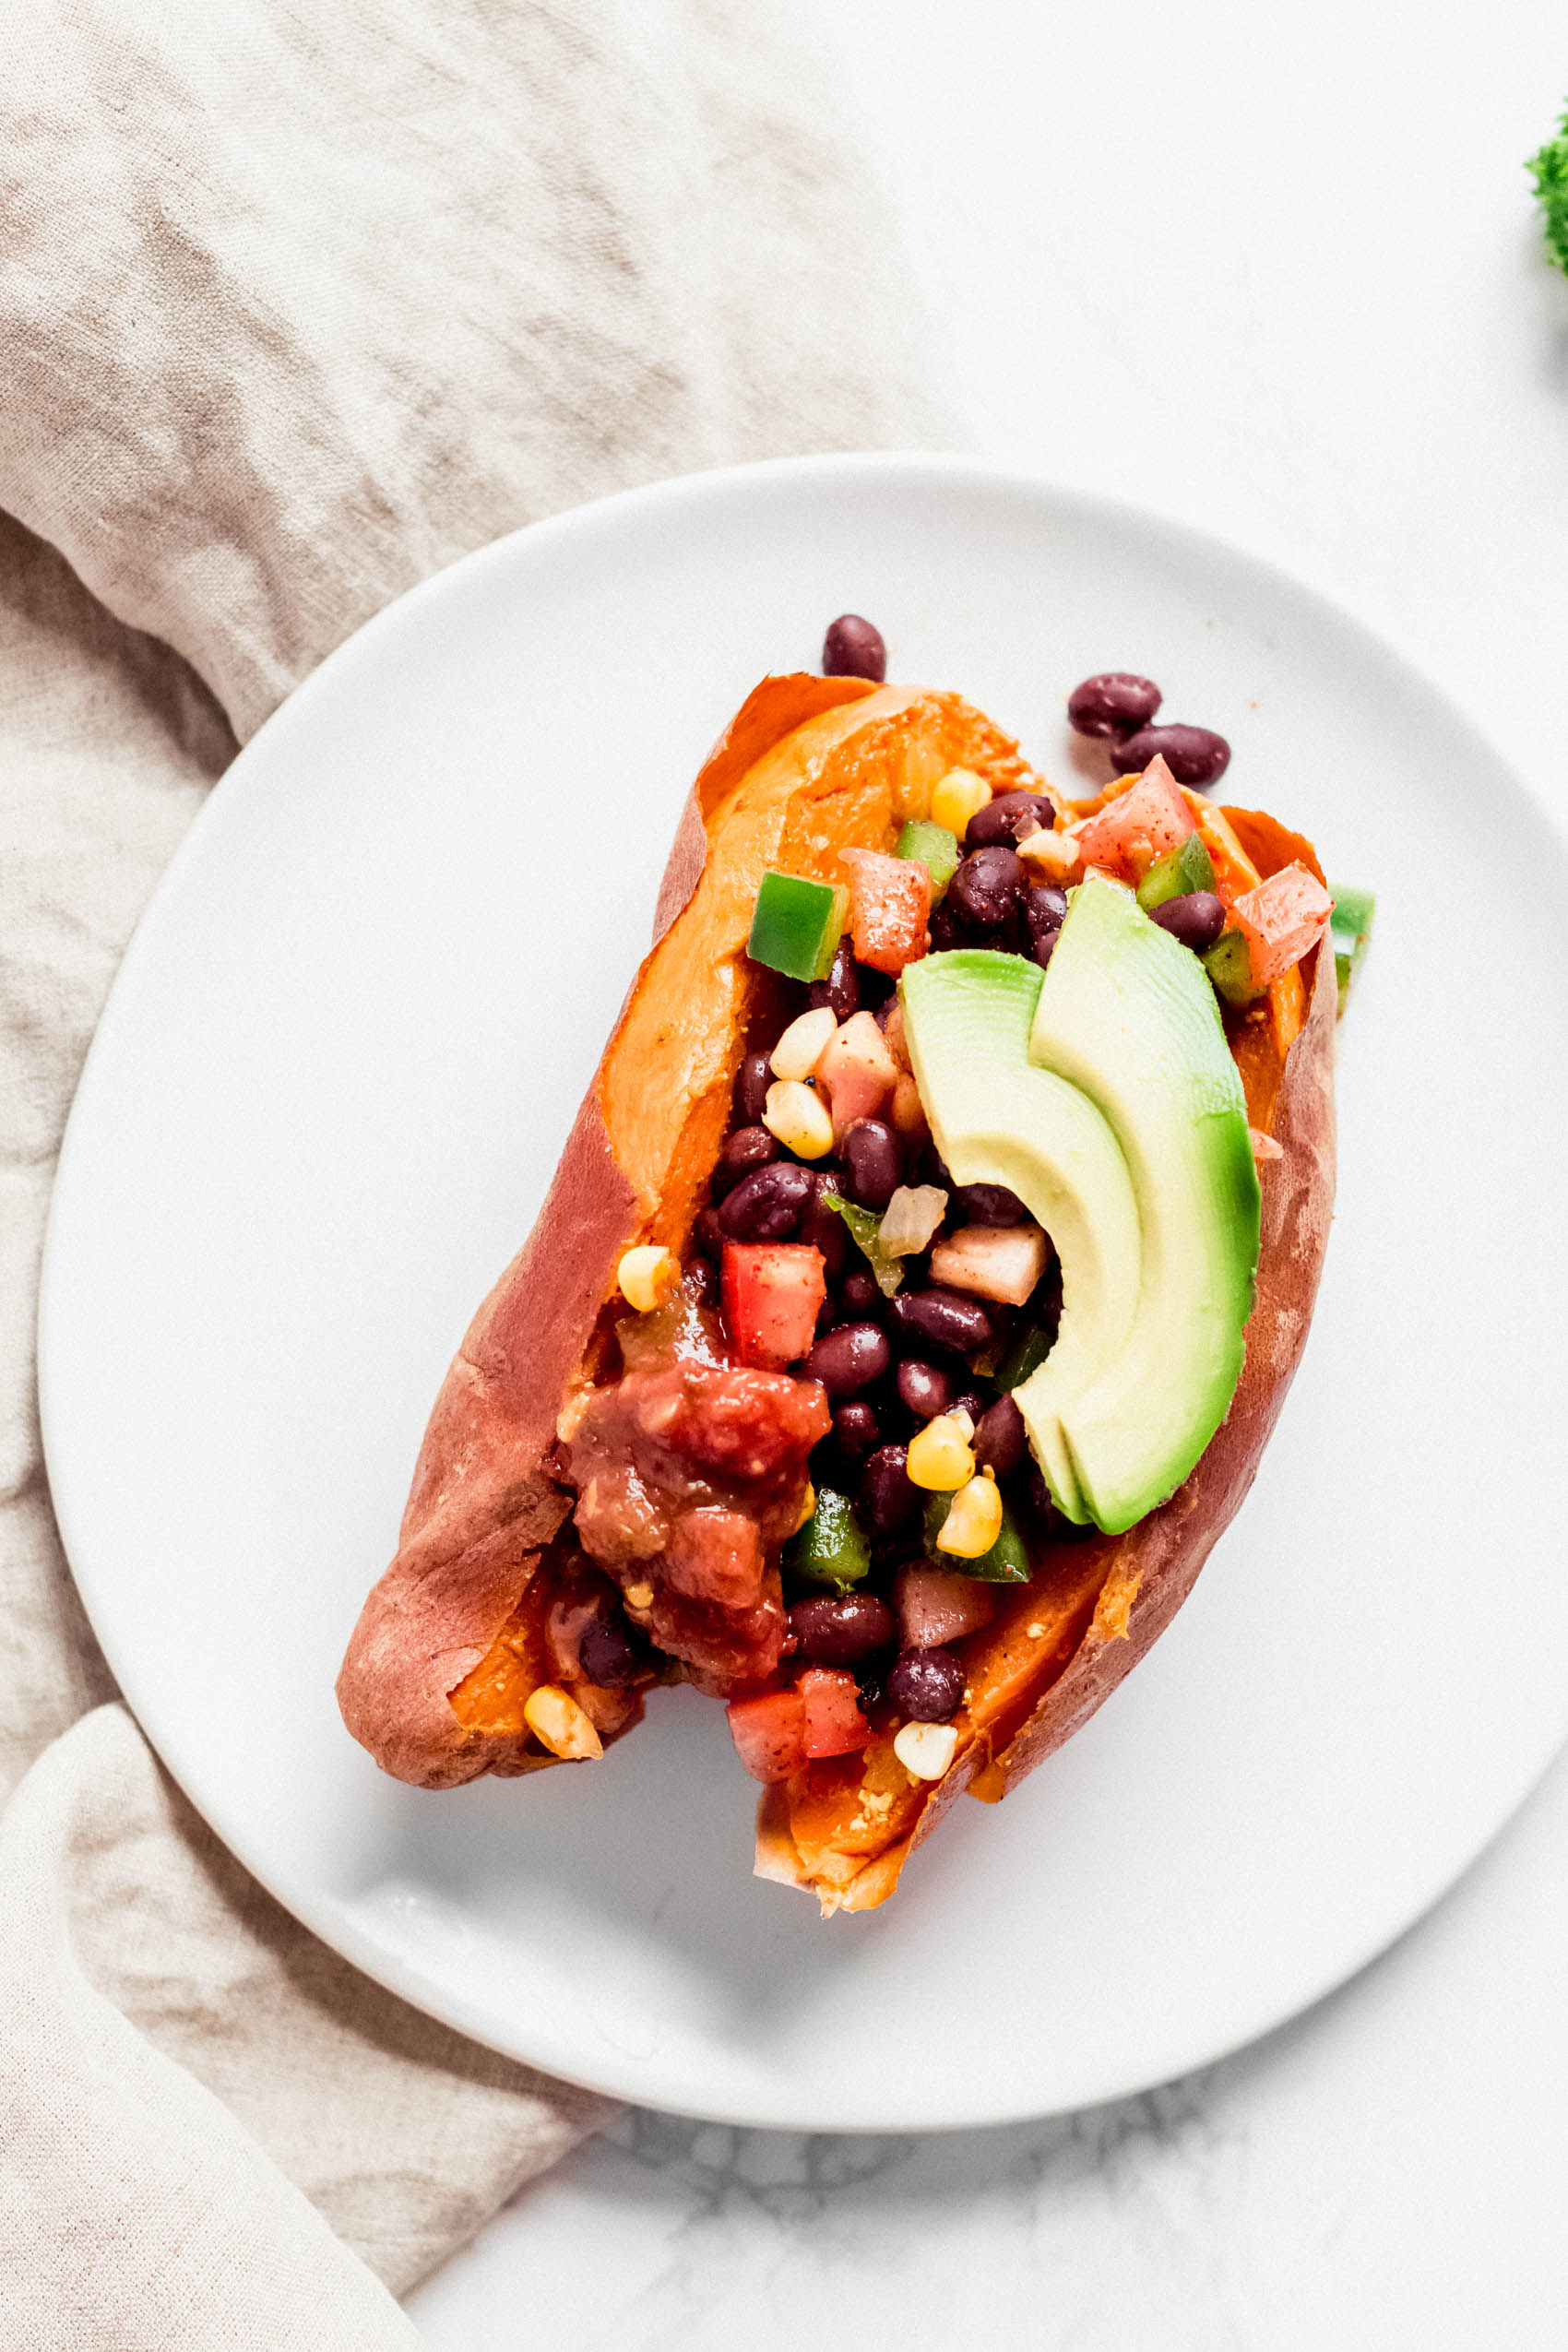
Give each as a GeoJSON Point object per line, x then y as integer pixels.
{"type": "Point", "coordinates": [329, 1919]}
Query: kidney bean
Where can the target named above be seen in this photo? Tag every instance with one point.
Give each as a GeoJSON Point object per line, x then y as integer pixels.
{"type": "Point", "coordinates": [986, 887]}
{"type": "Point", "coordinates": [859, 1293]}
{"type": "Point", "coordinates": [948, 1318]}
{"type": "Point", "coordinates": [841, 988]}
{"type": "Point", "coordinates": [1196, 756]}
{"type": "Point", "coordinates": [855, 1430]}
{"type": "Point", "coordinates": [1112, 702]}
{"type": "Point", "coordinates": [767, 1204]}
{"type": "Point", "coordinates": [755, 1078]}
{"type": "Point", "coordinates": [1008, 816]}
{"type": "Point", "coordinates": [850, 1358]}
{"type": "Point", "coordinates": [853, 649]}
{"type": "Point", "coordinates": [608, 1653]}
{"type": "Point", "coordinates": [926, 1389]}
{"type": "Point", "coordinates": [888, 1498]}
{"type": "Point", "coordinates": [841, 1631]}
{"type": "Point", "coordinates": [999, 1439]}
{"type": "Point", "coordinates": [991, 1205]}
{"type": "Point", "coordinates": [874, 1162]}
{"type": "Point", "coordinates": [707, 1235]}
{"type": "Point", "coordinates": [747, 1148]}
{"type": "Point", "coordinates": [1196, 919]}
{"type": "Point", "coordinates": [926, 1685]}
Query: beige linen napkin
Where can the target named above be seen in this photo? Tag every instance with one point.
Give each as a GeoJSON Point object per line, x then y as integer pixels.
{"type": "Point", "coordinates": [295, 305]}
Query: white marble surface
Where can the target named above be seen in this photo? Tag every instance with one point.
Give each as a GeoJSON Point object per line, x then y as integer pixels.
{"type": "Point", "coordinates": [1275, 271]}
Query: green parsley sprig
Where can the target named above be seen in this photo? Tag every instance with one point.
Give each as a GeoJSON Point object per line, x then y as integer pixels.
{"type": "Point", "coordinates": [1549, 172]}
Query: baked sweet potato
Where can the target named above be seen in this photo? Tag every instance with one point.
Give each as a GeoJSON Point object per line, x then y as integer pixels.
{"type": "Point", "coordinates": [478, 1621]}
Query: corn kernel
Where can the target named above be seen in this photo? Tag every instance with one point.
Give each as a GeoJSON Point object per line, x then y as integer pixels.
{"type": "Point", "coordinates": [957, 799]}
{"type": "Point", "coordinates": [926, 1748]}
{"type": "Point", "coordinates": [647, 1275]}
{"type": "Point", "coordinates": [640, 1596]}
{"type": "Point", "coordinates": [940, 1457]}
{"type": "Point", "coordinates": [799, 1117]}
{"type": "Point", "coordinates": [973, 1521]}
{"type": "Point", "coordinates": [559, 1724]}
{"type": "Point", "coordinates": [800, 1048]}
{"type": "Point", "coordinates": [807, 1507]}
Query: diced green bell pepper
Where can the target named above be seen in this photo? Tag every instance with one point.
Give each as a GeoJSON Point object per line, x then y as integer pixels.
{"type": "Point", "coordinates": [830, 1549]}
{"type": "Point", "coordinates": [1007, 1561]}
{"type": "Point", "coordinates": [1027, 1352]}
{"type": "Point", "coordinates": [797, 924]}
{"type": "Point", "coordinates": [865, 1229]}
{"type": "Point", "coordinates": [1350, 929]}
{"type": "Point", "coordinates": [1177, 874]}
{"type": "Point", "coordinates": [936, 848]}
{"type": "Point", "coordinates": [1229, 964]}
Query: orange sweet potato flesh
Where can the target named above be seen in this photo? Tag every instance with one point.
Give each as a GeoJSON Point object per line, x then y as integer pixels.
{"type": "Point", "coordinates": [452, 1640]}
{"type": "Point", "coordinates": [1058, 1647]}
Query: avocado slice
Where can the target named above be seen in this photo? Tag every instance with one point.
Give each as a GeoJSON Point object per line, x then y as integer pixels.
{"type": "Point", "coordinates": [1127, 1015]}
{"type": "Point", "coordinates": [1000, 1119]}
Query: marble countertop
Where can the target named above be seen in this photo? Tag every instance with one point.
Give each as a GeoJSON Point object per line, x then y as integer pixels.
{"type": "Point", "coordinates": [1275, 272]}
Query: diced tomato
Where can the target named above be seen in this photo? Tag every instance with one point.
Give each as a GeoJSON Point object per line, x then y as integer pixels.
{"type": "Point", "coordinates": [773, 1294]}
{"type": "Point", "coordinates": [769, 1733]}
{"type": "Point", "coordinates": [834, 1723]}
{"type": "Point", "coordinates": [1138, 825]}
{"type": "Point", "coordinates": [890, 904]}
{"type": "Point", "coordinates": [936, 1605]}
{"type": "Point", "coordinates": [1284, 915]}
{"type": "Point", "coordinates": [858, 1072]}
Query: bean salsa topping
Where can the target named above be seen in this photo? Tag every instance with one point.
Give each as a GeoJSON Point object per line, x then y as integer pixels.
{"type": "Point", "coordinates": [812, 1475]}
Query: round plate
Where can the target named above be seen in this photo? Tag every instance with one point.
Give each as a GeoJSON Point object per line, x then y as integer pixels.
{"type": "Point", "coordinates": [324, 1104]}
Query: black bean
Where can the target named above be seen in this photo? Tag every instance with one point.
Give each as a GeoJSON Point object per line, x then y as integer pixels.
{"type": "Point", "coordinates": [767, 1204]}
{"type": "Point", "coordinates": [946, 931]}
{"type": "Point", "coordinates": [700, 1281]}
{"type": "Point", "coordinates": [1112, 702]}
{"type": "Point", "coordinates": [972, 1403]}
{"type": "Point", "coordinates": [840, 990]}
{"type": "Point", "coordinates": [822, 1227]}
{"type": "Point", "coordinates": [747, 1148]}
{"type": "Point", "coordinates": [840, 1632]}
{"type": "Point", "coordinates": [926, 1685]}
{"type": "Point", "coordinates": [888, 1498]}
{"type": "Point", "coordinates": [1000, 1438]}
{"type": "Point", "coordinates": [853, 649]}
{"type": "Point", "coordinates": [991, 1205]}
{"type": "Point", "coordinates": [707, 1235]}
{"type": "Point", "coordinates": [608, 1653]}
{"type": "Point", "coordinates": [926, 1389]}
{"type": "Point", "coordinates": [849, 1358]}
{"type": "Point", "coordinates": [755, 1078]}
{"type": "Point", "coordinates": [1196, 756]}
{"type": "Point", "coordinates": [859, 1293]}
{"type": "Point", "coordinates": [1045, 906]}
{"type": "Point", "coordinates": [874, 1162]}
{"type": "Point", "coordinates": [855, 1430]}
{"type": "Point", "coordinates": [1196, 919]}
{"type": "Point", "coordinates": [986, 888]}
{"type": "Point", "coordinates": [947, 1319]}
{"type": "Point", "coordinates": [1042, 947]}
{"type": "Point", "coordinates": [1007, 818]}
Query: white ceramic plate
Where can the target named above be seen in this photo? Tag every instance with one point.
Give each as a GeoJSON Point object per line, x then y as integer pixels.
{"type": "Point", "coordinates": [324, 1104]}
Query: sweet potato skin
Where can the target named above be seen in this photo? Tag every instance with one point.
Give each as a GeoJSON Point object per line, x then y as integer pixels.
{"type": "Point", "coordinates": [805, 764]}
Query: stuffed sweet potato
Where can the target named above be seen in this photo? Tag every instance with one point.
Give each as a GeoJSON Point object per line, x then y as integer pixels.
{"type": "Point", "coordinates": [775, 1401]}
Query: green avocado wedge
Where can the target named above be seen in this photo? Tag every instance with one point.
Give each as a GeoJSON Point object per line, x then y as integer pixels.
{"type": "Point", "coordinates": [1127, 1016]}
{"type": "Point", "coordinates": [999, 1119]}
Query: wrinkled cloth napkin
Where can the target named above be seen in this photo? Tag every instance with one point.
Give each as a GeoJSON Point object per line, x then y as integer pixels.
{"type": "Point", "coordinates": [297, 305]}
